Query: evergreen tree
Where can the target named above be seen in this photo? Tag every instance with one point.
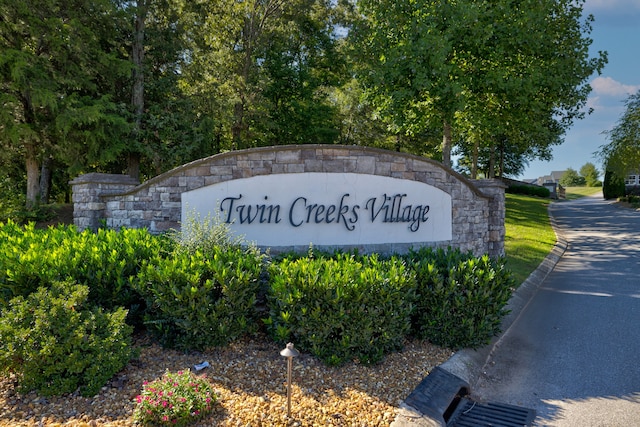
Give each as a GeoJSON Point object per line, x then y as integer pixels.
{"type": "Point", "coordinates": [58, 60]}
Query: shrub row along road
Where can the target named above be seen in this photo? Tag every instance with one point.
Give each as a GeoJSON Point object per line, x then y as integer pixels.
{"type": "Point", "coordinates": [572, 355]}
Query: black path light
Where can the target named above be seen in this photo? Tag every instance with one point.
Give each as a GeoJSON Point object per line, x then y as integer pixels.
{"type": "Point", "coordinates": [289, 352]}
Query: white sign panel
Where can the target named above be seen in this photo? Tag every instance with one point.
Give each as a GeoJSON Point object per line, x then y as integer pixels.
{"type": "Point", "coordinates": [325, 209]}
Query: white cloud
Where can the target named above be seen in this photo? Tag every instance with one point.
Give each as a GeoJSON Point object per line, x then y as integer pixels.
{"type": "Point", "coordinates": [606, 86]}
{"type": "Point", "coordinates": [593, 102]}
{"type": "Point", "coordinates": [614, 12]}
{"type": "Point", "coordinates": [611, 5]}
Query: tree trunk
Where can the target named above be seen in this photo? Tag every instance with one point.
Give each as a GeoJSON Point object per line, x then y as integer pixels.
{"type": "Point", "coordinates": [137, 94]}
{"type": "Point", "coordinates": [502, 145]}
{"type": "Point", "coordinates": [33, 175]}
{"type": "Point", "coordinates": [31, 155]}
{"type": "Point", "coordinates": [46, 173]}
{"type": "Point", "coordinates": [474, 160]}
{"type": "Point", "coordinates": [492, 162]}
{"type": "Point", "coordinates": [238, 123]}
{"type": "Point", "coordinates": [446, 144]}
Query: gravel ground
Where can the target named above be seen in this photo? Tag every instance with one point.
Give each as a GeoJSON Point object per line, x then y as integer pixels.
{"type": "Point", "coordinates": [250, 379]}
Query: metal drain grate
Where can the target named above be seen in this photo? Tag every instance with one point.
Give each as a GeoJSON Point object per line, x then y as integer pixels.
{"type": "Point", "coordinates": [473, 414]}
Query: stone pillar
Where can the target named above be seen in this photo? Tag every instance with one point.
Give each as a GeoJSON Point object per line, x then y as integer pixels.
{"type": "Point", "coordinates": [88, 192]}
{"type": "Point", "coordinates": [494, 189]}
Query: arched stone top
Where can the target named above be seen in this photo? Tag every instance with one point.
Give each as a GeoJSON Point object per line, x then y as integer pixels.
{"type": "Point", "coordinates": [312, 158]}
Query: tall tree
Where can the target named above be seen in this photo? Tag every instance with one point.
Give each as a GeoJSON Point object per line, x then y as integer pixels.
{"type": "Point", "coordinates": [261, 69]}
{"type": "Point", "coordinates": [622, 154]}
{"type": "Point", "coordinates": [590, 174]}
{"type": "Point", "coordinates": [53, 62]}
{"type": "Point", "coordinates": [141, 9]}
{"type": "Point", "coordinates": [486, 71]}
{"type": "Point", "coordinates": [168, 129]}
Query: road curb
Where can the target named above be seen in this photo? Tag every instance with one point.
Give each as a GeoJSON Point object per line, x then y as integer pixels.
{"type": "Point", "coordinates": [465, 366]}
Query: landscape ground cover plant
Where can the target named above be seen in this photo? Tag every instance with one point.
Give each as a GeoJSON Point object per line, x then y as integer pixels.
{"type": "Point", "coordinates": [176, 399]}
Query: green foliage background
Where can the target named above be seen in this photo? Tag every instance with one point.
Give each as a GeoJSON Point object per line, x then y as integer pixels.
{"type": "Point", "coordinates": [498, 81]}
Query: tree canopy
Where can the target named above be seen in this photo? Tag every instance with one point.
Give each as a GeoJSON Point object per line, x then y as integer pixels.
{"type": "Point", "coordinates": [508, 76]}
{"type": "Point", "coordinates": [142, 86]}
{"type": "Point", "coordinates": [621, 155]}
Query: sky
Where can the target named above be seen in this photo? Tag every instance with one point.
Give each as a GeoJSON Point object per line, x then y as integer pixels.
{"type": "Point", "coordinates": [616, 29]}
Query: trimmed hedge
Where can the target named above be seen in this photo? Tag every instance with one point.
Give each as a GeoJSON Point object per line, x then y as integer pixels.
{"type": "Point", "coordinates": [204, 289]}
{"type": "Point", "coordinates": [529, 190]}
{"type": "Point", "coordinates": [461, 298]}
{"type": "Point", "coordinates": [343, 308]}
{"type": "Point", "coordinates": [201, 299]}
{"type": "Point", "coordinates": [613, 186]}
{"type": "Point", "coordinates": [104, 261]}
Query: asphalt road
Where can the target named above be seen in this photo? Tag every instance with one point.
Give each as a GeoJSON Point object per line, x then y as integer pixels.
{"type": "Point", "coordinates": [573, 354]}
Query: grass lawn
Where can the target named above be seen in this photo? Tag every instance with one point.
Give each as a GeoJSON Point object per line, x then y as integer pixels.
{"type": "Point", "coordinates": [529, 236]}
{"type": "Point", "coordinates": [577, 192]}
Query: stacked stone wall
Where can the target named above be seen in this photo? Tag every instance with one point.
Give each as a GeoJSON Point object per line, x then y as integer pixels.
{"type": "Point", "coordinates": [478, 208]}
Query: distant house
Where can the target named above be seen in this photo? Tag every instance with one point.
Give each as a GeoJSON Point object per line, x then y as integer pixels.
{"type": "Point", "coordinates": [632, 184]}
{"type": "Point", "coordinates": [554, 178]}
{"type": "Point", "coordinates": [552, 182]}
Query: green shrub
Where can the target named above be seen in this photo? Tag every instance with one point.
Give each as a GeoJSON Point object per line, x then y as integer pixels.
{"type": "Point", "coordinates": [56, 344]}
{"type": "Point", "coordinates": [529, 190]}
{"type": "Point", "coordinates": [26, 258]}
{"type": "Point", "coordinates": [106, 261]}
{"type": "Point", "coordinates": [341, 309]}
{"type": "Point", "coordinates": [200, 299]}
{"type": "Point", "coordinates": [204, 234]}
{"type": "Point", "coordinates": [613, 186]}
{"type": "Point", "coordinates": [461, 298]}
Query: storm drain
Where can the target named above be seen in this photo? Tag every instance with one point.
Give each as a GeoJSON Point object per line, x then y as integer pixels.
{"type": "Point", "coordinates": [473, 414]}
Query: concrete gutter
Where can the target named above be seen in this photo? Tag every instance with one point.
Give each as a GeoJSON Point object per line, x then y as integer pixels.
{"type": "Point", "coordinates": [464, 368]}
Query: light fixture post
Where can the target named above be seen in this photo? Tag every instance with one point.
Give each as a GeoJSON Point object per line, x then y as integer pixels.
{"type": "Point", "coordinates": [289, 352]}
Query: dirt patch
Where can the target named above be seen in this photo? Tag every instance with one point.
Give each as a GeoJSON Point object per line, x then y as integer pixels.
{"type": "Point", "coordinates": [249, 378]}
{"type": "Point", "coordinates": [60, 215]}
